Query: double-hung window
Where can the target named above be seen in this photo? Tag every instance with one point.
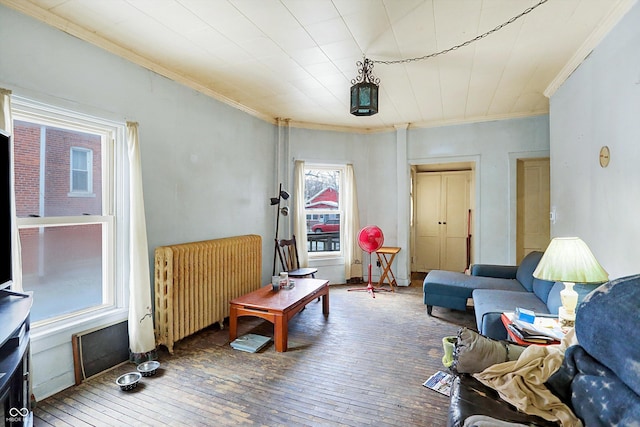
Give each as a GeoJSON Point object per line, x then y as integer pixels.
{"type": "Point", "coordinates": [66, 196]}
{"type": "Point", "coordinates": [323, 209]}
{"type": "Point", "coordinates": [81, 171]}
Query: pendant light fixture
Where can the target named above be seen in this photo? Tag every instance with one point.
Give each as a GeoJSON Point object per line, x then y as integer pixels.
{"type": "Point", "coordinates": [364, 90]}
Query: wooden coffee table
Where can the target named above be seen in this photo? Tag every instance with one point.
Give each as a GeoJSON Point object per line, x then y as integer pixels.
{"type": "Point", "coordinates": [278, 306]}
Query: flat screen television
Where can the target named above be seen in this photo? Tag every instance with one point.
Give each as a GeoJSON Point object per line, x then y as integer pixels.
{"type": "Point", "coordinates": [5, 212]}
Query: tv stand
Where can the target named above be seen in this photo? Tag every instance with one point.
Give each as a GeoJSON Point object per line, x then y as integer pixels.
{"type": "Point", "coordinates": [9, 292]}
{"type": "Point", "coordinates": [15, 402]}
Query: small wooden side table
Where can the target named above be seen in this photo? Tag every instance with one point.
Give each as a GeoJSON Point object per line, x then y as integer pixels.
{"type": "Point", "coordinates": [385, 257]}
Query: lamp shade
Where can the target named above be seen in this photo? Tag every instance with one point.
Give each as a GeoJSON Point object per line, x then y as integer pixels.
{"type": "Point", "coordinates": [569, 259]}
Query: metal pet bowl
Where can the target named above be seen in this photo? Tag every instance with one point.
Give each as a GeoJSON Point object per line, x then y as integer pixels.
{"type": "Point", "coordinates": [149, 368]}
{"type": "Point", "coordinates": [128, 381]}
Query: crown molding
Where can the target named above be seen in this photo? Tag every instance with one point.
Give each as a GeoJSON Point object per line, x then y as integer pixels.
{"type": "Point", "coordinates": [589, 45]}
{"type": "Point", "coordinates": [30, 9]}
{"type": "Point", "coordinates": [82, 33]}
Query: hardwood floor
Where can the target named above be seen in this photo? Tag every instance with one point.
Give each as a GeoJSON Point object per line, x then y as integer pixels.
{"type": "Point", "coordinates": [362, 365]}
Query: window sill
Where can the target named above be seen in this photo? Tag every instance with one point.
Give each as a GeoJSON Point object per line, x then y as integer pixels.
{"type": "Point", "coordinates": [80, 194]}
{"type": "Point", "coordinates": [326, 260]}
{"type": "Point", "coordinates": [57, 333]}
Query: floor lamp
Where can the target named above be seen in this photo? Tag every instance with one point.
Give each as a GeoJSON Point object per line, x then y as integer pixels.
{"type": "Point", "coordinates": [282, 194]}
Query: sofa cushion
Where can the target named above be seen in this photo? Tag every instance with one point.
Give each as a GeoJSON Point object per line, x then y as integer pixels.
{"type": "Point", "coordinates": [458, 284]}
{"type": "Point", "coordinates": [493, 270]}
{"type": "Point", "coordinates": [542, 288]}
{"type": "Point", "coordinates": [524, 275]}
{"type": "Point", "coordinates": [554, 302]}
{"type": "Point", "coordinates": [553, 299]}
{"type": "Point", "coordinates": [489, 304]}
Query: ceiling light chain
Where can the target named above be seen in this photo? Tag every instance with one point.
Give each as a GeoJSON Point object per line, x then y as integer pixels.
{"type": "Point", "coordinates": [365, 87]}
{"type": "Point", "coordinates": [468, 42]}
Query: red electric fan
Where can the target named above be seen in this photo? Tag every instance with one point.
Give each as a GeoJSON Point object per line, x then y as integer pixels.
{"type": "Point", "coordinates": [370, 239]}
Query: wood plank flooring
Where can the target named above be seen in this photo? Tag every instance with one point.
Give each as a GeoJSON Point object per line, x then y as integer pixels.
{"type": "Point", "coordinates": [363, 365]}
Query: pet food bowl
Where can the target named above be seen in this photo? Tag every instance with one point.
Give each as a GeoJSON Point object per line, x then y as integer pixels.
{"type": "Point", "coordinates": [149, 368]}
{"type": "Point", "coordinates": [128, 381]}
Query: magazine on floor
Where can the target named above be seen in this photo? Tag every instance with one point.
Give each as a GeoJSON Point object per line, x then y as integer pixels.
{"type": "Point", "coordinates": [440, 382]}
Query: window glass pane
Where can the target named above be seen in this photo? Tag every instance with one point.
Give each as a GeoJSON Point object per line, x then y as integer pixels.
{"type": "Point", "coordinates": [63, 267]}
{"type": "Point", "coordinates": [79, 160]}
{"type": "Point", "coordinates": [80, 181]}
{"type": "Point", "coordinates": [43, 171]}
{"type": "Point", "coordinates": [321, 189]}
{"type": "Point", "coordinates": [322, 206]}
{"type": "Point", "coordinates": [324, 235]}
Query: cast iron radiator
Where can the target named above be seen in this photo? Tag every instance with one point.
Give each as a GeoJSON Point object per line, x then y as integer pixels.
{"type": "Point", "coordinates": [194, 283]}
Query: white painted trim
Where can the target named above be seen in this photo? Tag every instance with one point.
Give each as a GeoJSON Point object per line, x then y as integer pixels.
{"type": "Point", "coordinates": [403, 205]}
{"type": "Point", "coordinates": [513, 197]}
{"type": "Point", "coordinates": [476, 160]}
{"type": "Point", "coordinates": [589, 45]}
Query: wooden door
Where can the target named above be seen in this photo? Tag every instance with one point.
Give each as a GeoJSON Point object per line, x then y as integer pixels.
{"type": "Point", "coordinates": [428, 199]}
{"type": "Point", "coordinates": [533, 228]}
{"type": "Point", "coordinates": [454, 228]}
{"type": "Point", "coordinates": [442, 204]}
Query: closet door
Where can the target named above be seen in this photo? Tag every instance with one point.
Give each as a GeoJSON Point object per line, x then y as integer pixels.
{"type": "Point", "coordinates": [533, 227]}
{"type": "Point", "coordinates": [428, 221]}
{"type": "Point", "coordinates": [454, 209]}
{"type": "Point", "coordinates": [442, 204]}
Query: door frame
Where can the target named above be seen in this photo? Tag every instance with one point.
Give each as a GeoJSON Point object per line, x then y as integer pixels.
{"type": "Point", "coordinates": [474, 201]}
{"type": "Point", "coordinates": [513, 197]}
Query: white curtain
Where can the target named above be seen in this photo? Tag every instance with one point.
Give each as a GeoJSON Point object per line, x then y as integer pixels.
{"type": "Point", "coordinates": [6, 123]}
{"type": "Point", "coordinates": [299, 216]}
{"type": "Point", "coordinates": [141, 336]}
{"type": "Point", "coordinates": [351, 221]}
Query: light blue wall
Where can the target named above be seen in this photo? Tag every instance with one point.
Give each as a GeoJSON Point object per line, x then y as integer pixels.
{"type": "Point", "coordinates": [494, 147]}
{"type": "Point", "coordinates": [373, 159]}
{"type": "Point", "coordinates": [600, 105]}
{"type": "Point", "coordinates": [208, 169]}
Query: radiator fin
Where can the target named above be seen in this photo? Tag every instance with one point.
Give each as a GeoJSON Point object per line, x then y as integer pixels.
{"type": "Point", "coordinates": [194, 283]}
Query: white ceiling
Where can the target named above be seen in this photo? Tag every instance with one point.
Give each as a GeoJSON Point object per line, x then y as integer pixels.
{"type": "Point", "coordinates": [295, 59]}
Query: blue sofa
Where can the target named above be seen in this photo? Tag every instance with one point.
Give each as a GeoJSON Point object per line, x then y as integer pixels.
{"type": "Point", "coordinates": [496, 289]}
{"type": "Point", "coordinates": [598, 378]}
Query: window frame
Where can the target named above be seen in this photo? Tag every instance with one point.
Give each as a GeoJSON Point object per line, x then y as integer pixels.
{"type": "Point", "coordinates": [114, 209]}
{"type": "Point", "coordinates": [315, 255]}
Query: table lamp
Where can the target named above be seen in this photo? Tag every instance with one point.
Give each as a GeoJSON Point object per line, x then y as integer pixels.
{"type": "Point", "coordinates": [569, 260]}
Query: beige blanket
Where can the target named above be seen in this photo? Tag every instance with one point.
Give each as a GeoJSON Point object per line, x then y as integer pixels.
{"type": "Point", "coordinates": [521, 382]}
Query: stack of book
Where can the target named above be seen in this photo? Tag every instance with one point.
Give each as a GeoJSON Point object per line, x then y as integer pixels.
{"type": "Point", "coordinates": [543, 330]}
{"type": "Point", "coordinates": [250, 343]}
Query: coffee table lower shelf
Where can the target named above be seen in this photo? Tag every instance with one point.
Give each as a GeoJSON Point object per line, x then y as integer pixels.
{"type": "Point", "coordinates": [278, 307]}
